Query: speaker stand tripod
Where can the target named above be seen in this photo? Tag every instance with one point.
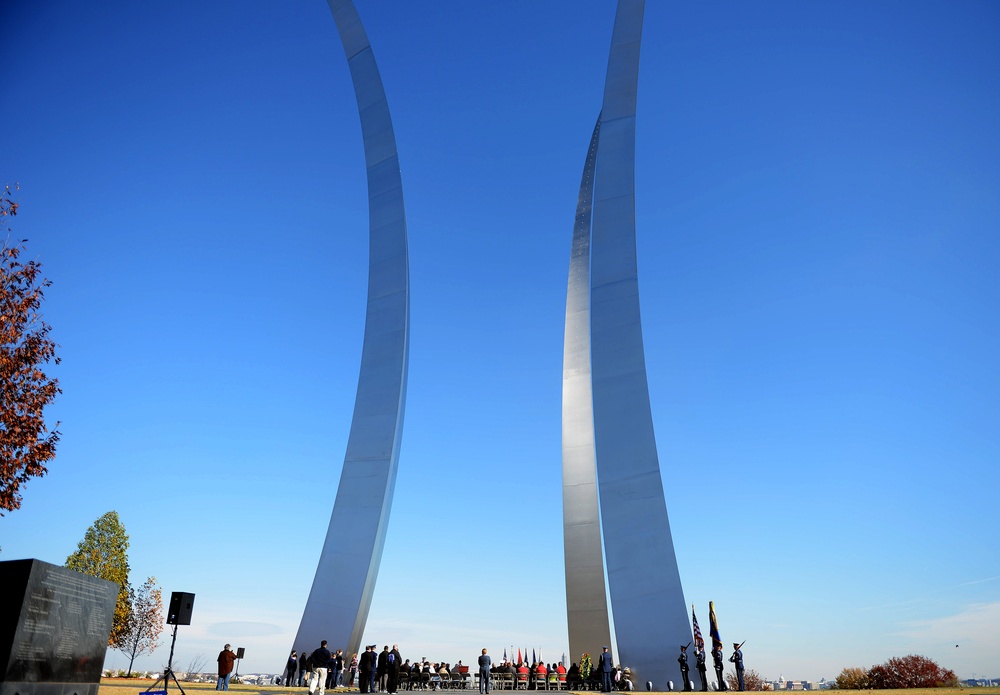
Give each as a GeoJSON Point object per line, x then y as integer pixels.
{"type": "Point", "coordinates": [169, 673]}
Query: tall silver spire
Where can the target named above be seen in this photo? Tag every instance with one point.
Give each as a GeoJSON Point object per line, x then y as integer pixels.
{"type": "Point", "coordinates": [341, 594]}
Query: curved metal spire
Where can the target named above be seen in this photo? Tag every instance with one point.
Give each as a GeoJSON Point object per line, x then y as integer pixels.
{"type": "Point", "coordinates": [647, 600]}
{"type": "Point", "coordinates": [341, 594]}
{"type": "Point", "coordinates": [586, 594]}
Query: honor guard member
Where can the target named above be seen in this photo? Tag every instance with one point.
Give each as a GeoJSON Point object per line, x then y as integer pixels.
{"type": "Point", "coordinates": [604, 667]}
{"type": "Point", "coordinates": [717, 662]}
{"type": "Point", "coordinates": [737, 658]}
{"type": "Point", "coordinates": [699, 661]}
{"type": "Point", "coordinates": [683, 661]}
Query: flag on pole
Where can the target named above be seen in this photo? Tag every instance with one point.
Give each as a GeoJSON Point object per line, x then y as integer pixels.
{"type": "Point", "coordinates": [534, 659]}
{"type": "Point", "coordinates": [505, 653]}
{"type": "Point", "coordinates": [699, 641]}
{"type": "Point", "coordinates": [713, 626]}
{"type": "Point", "coordinates": [518, 655]}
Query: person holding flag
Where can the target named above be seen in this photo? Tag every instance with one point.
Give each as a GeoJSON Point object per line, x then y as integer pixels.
{"type": "Point", "coordinates": [699, 651]}
{"type": "Point", "coordinates": [717, 656]}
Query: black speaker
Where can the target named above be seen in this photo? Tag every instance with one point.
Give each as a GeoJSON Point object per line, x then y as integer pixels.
{"type": "Point", "coordinates": [239, 652]}
{"type": "Point", "coordinates": [181, 605]}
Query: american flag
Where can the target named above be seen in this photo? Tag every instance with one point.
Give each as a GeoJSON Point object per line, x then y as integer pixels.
{"type": "Point", "coordinates": [699, 641]}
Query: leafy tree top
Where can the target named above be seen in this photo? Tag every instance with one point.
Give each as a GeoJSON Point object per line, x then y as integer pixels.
{"type": "Point", "coordinates": [26, 445]}
{"type": "Point", "coordinates": [103, 553]}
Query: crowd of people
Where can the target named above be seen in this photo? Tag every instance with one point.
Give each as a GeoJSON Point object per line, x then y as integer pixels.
{"type": "Point", "coordinates": [372, 672]}
{"type": "Point", "coordinates": [386, 671]}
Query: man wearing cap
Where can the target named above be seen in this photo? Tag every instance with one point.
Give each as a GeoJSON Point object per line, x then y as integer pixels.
{"type": "Point", "coordinates": [605, 666]}
{"type": "Point", "coordinates": [717, 662]}
{"type": "Point", "coordinates": [374, 671]}
{"type": "Point", "coordinates": [737, 658]}
{"type": "Point", "coordinates": [699, 661]}
{"type": "Point", "coordinates": [685, 670]}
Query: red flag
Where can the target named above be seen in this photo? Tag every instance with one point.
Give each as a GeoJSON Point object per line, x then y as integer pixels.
{"type": "Point", "coordinates": [518, 655]}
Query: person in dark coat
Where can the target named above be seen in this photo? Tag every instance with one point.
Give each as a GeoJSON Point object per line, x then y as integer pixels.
{"type": "Point", "coordinates": [604, 666]}
{"type": "Point", "coordinates": [365, 666]}
{"type": "Point", "coordinates": [303, 667]}
{"type": "Point", "coordinates": [685, 669]}
{"type": "Point", "coordinates": [392, 670]}
{"type": "Point", "coordinates": [382, 667]}
{"type": "Point", "coordinates": [319, 662]}
{"type": "Point", "coordinates": [699, 660]}
{"type": "Point", "coordinates": [374, 671]}
{"type": "Point", "coordinates": [291, 669]}
{"type": "Point", "coordinates": [227, 657]}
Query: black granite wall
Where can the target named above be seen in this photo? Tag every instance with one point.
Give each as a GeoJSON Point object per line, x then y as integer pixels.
{"type": "Point", "coordinates": [54, 627]}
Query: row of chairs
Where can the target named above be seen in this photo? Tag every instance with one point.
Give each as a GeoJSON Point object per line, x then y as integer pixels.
{"type": "Point", "coordinates": [433, 681]}
{"type": "Point", "coordinates": [520, 681]}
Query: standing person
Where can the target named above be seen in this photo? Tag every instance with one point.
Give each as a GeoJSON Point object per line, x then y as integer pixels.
{"type": "Point", "coordinates": [354, 670]}
{"type": "Point", "coordinates": [320, 660]}
{"type": "Point", "coordinates": [371, 674]}
{"type": "Point", "coordinates": [364, 669]}
{"type": "Point", "coordinates": [484, 671]}
{"type": "Point", "coordinates": [330, 669]}
{"type": "Point", "coordinates": [699, 660]}
{"type": "Point", "coordinates": [383, 667]}
{"type": "Point", "coordinates": [338, 667]}
{"type": "Point", "coordinates": [604, 666]}
{"type": "Point", "coordinates": [303, 667]}
{"type": "Point", "coordinates": [226, 659]}
{"type": "Point", "coordinates": [737, 658]}
{"type": "Point", "coordinates": [717, 662]}
{"type": "Point", "coordinates": [291, 668]}
{"type": "Point", "coordinates": [685, 669]}
{"type": "Point", "coordinates": [392, 670]}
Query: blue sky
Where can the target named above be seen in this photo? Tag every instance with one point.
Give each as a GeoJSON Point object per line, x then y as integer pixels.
{"type": "Point", "coordinates": [818, 196]}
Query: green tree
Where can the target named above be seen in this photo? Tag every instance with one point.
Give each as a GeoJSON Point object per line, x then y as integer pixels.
{"type": "Point", "coordinates": [26, 445]}
{"type": "Point", "coordinates": [853, 678]}
{"type": "Point", "coordinates": [144, 624]}
{"type": "Point", "coordinates": [103, 553]}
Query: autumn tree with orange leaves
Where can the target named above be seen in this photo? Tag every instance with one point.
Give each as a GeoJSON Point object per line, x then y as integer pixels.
{"type": "Point", "coordinates": [26, 444]}
{"type": "Point", "coordinates": [141, 634]}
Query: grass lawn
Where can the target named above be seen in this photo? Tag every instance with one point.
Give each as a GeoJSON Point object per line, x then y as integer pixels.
{"type": "Point", "coordinates": [134, 686]}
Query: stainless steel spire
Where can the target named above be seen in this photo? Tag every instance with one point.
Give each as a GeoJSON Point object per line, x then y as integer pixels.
{"type": "Point", "coordinates": [647, 600]}
{"type": "Point", "coordinates": [341, 594]}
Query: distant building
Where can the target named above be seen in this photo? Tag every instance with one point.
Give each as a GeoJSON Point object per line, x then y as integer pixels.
{"type": "Point", "coordinates": [782, 684]}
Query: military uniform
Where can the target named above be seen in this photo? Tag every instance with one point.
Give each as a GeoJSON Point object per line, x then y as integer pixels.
{"type": "Point", "coordinates": [717, 662]}
{"type": "Point", "coordinates": [685, 670]}
{"type": "Point", "coordinates": [699, 661]}
{"type": "Point", "coordinates": [737, 658]}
